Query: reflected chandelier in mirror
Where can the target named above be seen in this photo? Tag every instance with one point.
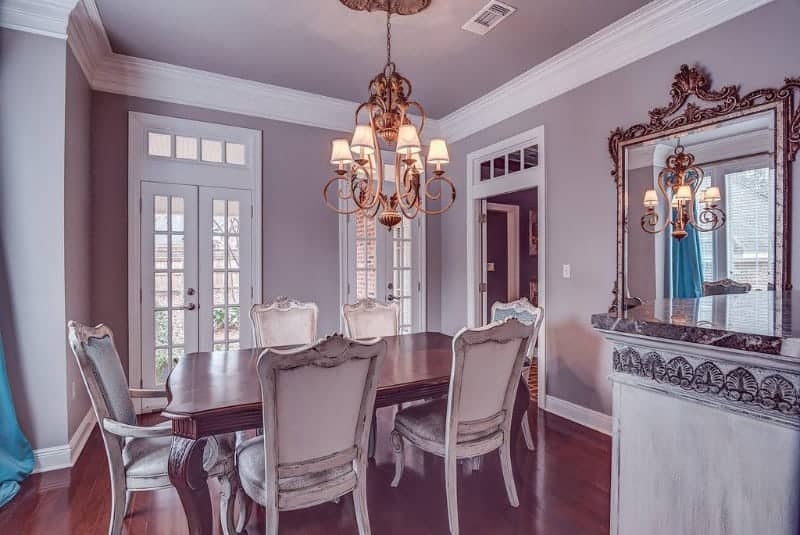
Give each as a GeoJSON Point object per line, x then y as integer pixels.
{"type": "Point", "coordinates": [696, 108]}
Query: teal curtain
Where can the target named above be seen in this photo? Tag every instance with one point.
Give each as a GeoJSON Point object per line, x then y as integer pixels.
{"type": "Point", "coordinates": [16, 456]}
{"type": "Point", "coordinates": [687, 268]}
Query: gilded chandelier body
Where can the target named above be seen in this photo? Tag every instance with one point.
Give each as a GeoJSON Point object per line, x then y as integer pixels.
{"type": "Point", "coordinates": [359, 174]}
{"type": "Point", "coordinates": [679, 183]}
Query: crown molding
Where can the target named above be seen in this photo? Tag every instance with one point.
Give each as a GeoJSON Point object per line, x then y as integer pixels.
{"type": "Point", "coordinates": [639, 34]}
{"type": "Point", "coordinates": [635, 36]}
{"type": "Point", "coordinates": [42, 17]}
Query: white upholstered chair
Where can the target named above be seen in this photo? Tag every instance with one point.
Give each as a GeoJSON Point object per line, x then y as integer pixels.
{"type": "Point", "coordinates": [284, 322]}
{"type": "Point", "coordinates": [313, 449]}
{"type": "Point", "coordinates": [138, 455]}
{"type": "Point", "coordinates": [368, 318]}
{"type": "Point", "coordinates": [475, 419]}
{"type": "Point", "coordinates": [524, 311]}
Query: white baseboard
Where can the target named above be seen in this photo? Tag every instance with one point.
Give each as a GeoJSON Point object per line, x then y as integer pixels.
{"type": "Point", "coordinates": [578, 414]}
{"type": "Point", "coordinates": [64, 456]}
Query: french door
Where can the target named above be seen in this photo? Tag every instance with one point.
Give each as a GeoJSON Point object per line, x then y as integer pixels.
{"type": "Point", "coordinates": [387, 265]}
{"type": "Point", "coordinates": [196, 273]}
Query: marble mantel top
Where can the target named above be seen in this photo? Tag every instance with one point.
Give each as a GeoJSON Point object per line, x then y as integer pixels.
{"type": "Point", "coordinates": [759, 321]}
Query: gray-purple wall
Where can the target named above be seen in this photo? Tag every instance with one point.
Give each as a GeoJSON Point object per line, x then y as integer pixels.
{"type": "Point", "coordinates": [300, 235]}
{"type": "Point", "coordinates": [77, 225]}
{"type": "Point", "coordinates": [756, 50]}
{"type": "Point", "coordinates": [32, 295]}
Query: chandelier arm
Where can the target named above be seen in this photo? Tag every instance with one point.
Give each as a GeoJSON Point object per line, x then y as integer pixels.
{"type": "Point", "coordinates": [663, 183]}
{"type": "Point", "coordinates": [339, 195]}
{"type": "Point", "coordinates": [406, 195]}
{"type": "Point", "coordinates": [415, 104]}
{"type": "Point", "coordinates": [363, 187]}
{"type": "Point", "coordinates": [713, 216]}
{"type": "Point", "coordinates": [428, 195]}
{"type": "Point", "coordinates": [696, 178]}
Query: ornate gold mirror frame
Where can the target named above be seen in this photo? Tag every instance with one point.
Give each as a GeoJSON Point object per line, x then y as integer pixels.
{"type": "Point", "coordinates": [680, 116]}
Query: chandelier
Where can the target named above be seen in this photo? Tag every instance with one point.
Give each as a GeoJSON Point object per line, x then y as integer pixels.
{"type": "Point", "coordinates": [385, 116]}
{"type": "Point", "coordinates": [679, 183]}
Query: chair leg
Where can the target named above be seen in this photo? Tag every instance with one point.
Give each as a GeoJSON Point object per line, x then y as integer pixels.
{"type": "Point", "coordinates": [450, 484]}
{"type": "Point", "coordinates": [128, 499]}
{"type": "Point", "coordinates": [118, 505]}
{"type": "Point", "coordinates": [508, 473]}
{"type": "Point", "coordinates": [373, 429]}
{"type": "Point", "coordinates": [399, 460]}
{"type": "Point", "coordinates": [360, 505]}
{"type": "Point", "coordinates": [245, 507]}
{"type": "Point", "coordinates": [271, 517]}
{"type": "Point", "coordinates": [526, 431]}
{"type": "Point", "coordinates": [228, 492]}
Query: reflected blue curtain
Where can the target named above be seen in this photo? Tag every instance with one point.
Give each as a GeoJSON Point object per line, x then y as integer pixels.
{"type": "Point", "coordinates": [16, 456]}
{"type": "Point", "coordinates": [687, 267]}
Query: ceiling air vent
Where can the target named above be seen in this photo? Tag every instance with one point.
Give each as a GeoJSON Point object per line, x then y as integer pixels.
{"type": "Point", "coordinates": [487, 18]}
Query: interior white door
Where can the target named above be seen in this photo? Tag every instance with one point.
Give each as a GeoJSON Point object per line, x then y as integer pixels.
{"type": "Point", "coordinates": [169, 272]}
{"type": "Point", "coordinates": [225, 269]}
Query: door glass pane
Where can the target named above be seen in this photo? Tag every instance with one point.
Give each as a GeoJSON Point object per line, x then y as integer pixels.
{"type": "Point", "coordinates": [177, 214]}
{"type": "Point", "coordinates": [161, 327]}
{"type": "Point", "coordinates": [233, 252]}
{"type": "Point", "coordinates": [234, 153]}
{"type": "Point", "coordinates": [162, 365]}
{"type": "Point", "coordinates": [177, 289]}
{"type": "Point", "coordinates": [218, 217]}
{"type": "Point", "coordinates": [177, 251]}
{"type": "Point", "coordinates": [218, 251]}
{"type": "Point", "coordinates": [219, 287]}
{"type": "Point", "coordinates": [186, 148]}
{"type": "Point", "coordinates": [233, 323]}
{"type": "Point", "coordinates": [160, 213]}
{"type": "Point", "coordinates": [233, 217]}
{"type": "Point", "coordinates": [177, 326]}
{"type": "Point", "coordinates": [218, 324]}
{"type": "Point", "coordinates": [159, 144]}
{"type": "Point", "coordinates": [211, 150]}
{"type": "Point", "coordinates": [233, 288]}
{"type": "Point", "coordinates": [161, 297]}
{"type": "Point", "coordinates": [160, 252]}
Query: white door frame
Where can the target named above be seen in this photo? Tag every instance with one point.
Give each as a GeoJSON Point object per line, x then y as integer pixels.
{"type": "Point", "coordinates": [422, 254]}
{"type": "Point", "coordinates": [208, 174]}
{"type": "Point", "coordinates": [478, 191]}
{"type": "Point", "coordinates": [512, 246]}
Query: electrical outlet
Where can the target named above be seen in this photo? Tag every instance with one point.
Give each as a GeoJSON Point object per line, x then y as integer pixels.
{"type": "Point", "coordinates": [566, 271]}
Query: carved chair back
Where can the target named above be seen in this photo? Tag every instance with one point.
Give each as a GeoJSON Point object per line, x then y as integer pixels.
{"type": "Point", "coordinates": [725, 286]}
{"type": "Point", "coordinates": [487, 362]}
{"type": "Point", "coordinates": [305, 433]}
{"type": "Point", "coordinates": [105, 381]}
{"type": "Point", "coordinates": [525, 312]}
{"type": "Point", "coordinates": [368, 318]}
{"type": "Point", "coordinates": [284, 322]}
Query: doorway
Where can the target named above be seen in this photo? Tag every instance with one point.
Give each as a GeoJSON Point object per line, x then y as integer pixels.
{"type": "Point", "coordinates": [194, 242]}
{"type": "Point", "coordinates": [503, 180]}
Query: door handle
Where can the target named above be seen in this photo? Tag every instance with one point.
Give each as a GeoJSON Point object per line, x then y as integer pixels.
{"type": "Point", "coordinates": [190, 306]}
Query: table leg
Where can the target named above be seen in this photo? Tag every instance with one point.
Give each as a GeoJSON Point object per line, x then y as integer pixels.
{"type": "Point", "coordinates": [372, 430]}
{"type": "Point", "coordinates": [190, 480]}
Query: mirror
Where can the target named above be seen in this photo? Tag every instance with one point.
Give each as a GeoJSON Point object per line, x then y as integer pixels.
{"type": "Point", "coordinates": [703, 200]}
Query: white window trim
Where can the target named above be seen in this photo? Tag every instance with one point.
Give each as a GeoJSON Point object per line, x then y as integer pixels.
{"type": "Point", "coordinates": [249, 177]}
{"type": "Point", "coordinates": [478, 191]}
{"type": "Point", "coordinates": [422, 255]}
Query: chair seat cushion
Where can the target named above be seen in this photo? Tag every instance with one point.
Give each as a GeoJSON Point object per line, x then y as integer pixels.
{"type": "Point", "coordinates": [425, 420]}
{"type": "Point", "coordinates": [253, 479]}
{"type": "Point", "coordinates": [147, 457]}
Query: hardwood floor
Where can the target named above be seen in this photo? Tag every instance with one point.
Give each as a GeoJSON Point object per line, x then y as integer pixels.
{"type": "Point", "coordinates": [563, 489]}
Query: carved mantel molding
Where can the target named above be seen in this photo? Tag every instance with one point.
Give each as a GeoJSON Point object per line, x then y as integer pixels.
{"type": "Point", "coordinates": [757, 391]}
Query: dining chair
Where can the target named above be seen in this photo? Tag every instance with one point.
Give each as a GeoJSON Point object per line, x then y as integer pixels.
{"type": "Point", "coordinates": [524, 311]}
{"type": "Point", "coordinates": [313, 449]}
{"type": "Point", "coordinates": [284, 322]}
{"type": "Point", "coordinates": [368, 318]}
{"type": "Point", "coordinates": [138, 455]}
{"type": "Point", "coordinates": [475, 419]}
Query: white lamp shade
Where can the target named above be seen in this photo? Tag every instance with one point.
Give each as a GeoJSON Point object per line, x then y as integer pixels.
{"type": "Point", "coordinates": [363, 140]}
{"type": "Point", "coordinates": [340, 151]}
{"type": "Point", "coordinates": [650, 198]}
{"type": "Point", "coordinates": [712, 194]}
{"type": "Point", "coordinates": [674, 202]}
{"type": "Point", "coordinates": [408, 139]}
{"type": "Point", "coordinates": [437, 151]}
{"type": "Point", "coordinates": [684, 193]}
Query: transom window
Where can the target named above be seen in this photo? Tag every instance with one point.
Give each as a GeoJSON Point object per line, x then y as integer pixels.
{"type": "Point", "coordinates": [165, 145]}
{"type": "Point", "coordinates": [509, 162]}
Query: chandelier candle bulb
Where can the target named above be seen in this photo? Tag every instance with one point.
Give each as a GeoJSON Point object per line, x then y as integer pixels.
{"type": "Point", "coordinates": [408, 140]}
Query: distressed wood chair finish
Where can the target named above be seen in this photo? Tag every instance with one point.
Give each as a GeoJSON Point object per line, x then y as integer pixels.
{"type": "Point", "coordinates": [524, 311]}
{"type": "Point", "coordinates": [368, 318]}
{"type": "Point", "coordinates": [313, 452]}
{"type": "Point", "coordinates": [725, 286]}
{"type": "Point", "coordinates": [475, 419]}
{"type": "Point", "coordinates": [284, 322]}
{"type": "Point", "coordinates": [137, 455]}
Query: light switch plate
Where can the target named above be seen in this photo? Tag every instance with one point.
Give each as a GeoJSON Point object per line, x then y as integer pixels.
{"type": "Point", "coordinates": [566, 271]}
{"type": "Point", "coordinates": [490, 266]}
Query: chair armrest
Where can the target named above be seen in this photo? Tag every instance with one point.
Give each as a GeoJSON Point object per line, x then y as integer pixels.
{"type": "Point", "coordinates": [135, 431]}
{"type": "Point", "coordinates": [147, 393]}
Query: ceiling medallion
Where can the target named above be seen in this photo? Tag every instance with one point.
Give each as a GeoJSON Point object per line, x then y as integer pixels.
{"type": "Point", "coordinates": [397, 7]}
{"type": "Point", "coordinates": [358, 184]}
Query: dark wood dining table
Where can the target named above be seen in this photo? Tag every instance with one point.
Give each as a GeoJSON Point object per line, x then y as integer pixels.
{"type": "Point", "coordinates": [218, 392]}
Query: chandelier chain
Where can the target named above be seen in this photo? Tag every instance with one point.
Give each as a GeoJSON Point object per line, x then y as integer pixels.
{"type": "Point", "coordinates": [389, 33]}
